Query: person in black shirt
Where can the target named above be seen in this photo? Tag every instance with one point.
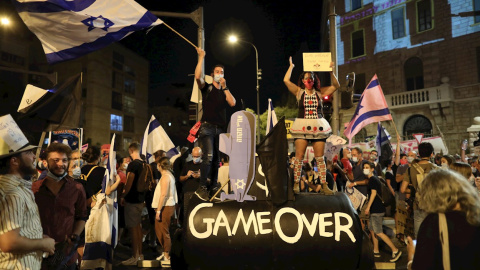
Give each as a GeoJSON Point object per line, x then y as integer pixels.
{"type": "Point", "coordinates": [133, 200]}
{"type": "Point", "coordinates": [376, 210]}
{"type": "Point", "coordinates": [190, 177]}
{"type": "Point", "coordinates": [92, 174]}
{"type": "Point", "coordinates": [215, 99]}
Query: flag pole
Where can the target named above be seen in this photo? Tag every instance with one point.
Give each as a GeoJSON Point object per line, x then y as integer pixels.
{"type": "Point", "coordinates": [179, 35]}
{"type": "Point", "coordinates": [395, 126]}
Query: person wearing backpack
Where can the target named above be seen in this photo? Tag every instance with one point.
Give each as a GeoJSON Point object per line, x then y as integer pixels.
{"type": "Point", "coordinates": [413, 178]}
{"type": "Point", "coordinates": [376, 210]}
{"type": "Point", "coordinates": [133, 201]}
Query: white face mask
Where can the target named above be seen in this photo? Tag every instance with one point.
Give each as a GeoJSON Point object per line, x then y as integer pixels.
{"type": "Point", "coordinates": [410, 159]}
{"type": "Point", "coordinates": [76, 173]}
{"type": "Point", "coordinates": [197, 160]}
{"type": "Point", "coordinates": [349, 155]}
{"type": "Point", "coordinates": [445, 165]}
{"type": "Point", "coordinates": [217, 77]}
{"type": "Point", "coordinates": [366, 172]}
{"type": "Point", "coordinates": [355, 159]}
{"type": "Point", "coordinates": [124, 166]}
{"type": "Point", "coordinates": [471, 179]}
{"type": "Point", "coordinates": [474, 170]}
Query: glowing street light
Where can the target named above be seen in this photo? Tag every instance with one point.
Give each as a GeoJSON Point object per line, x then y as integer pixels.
{"type": "Point", "coordinates": [4, 21]}
{"type": "Point", "coordinates": [234, 39]}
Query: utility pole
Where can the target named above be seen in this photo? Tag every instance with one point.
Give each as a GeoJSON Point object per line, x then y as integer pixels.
{"type": "Point", "coordinates": [333, 49]}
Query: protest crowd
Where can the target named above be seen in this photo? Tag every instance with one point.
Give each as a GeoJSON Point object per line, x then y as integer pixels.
{"type": "Point", "coordinates": [65, 207]}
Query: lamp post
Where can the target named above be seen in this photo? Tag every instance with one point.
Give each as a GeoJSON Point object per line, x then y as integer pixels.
{"type": "Point", "coordinates": [233, 39]}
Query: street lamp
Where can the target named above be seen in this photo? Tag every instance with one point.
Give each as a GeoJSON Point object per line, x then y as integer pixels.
{"type": "Point", "coordinates": [234, 39]}
{"type": "Point", "coordinates": [4, 21]}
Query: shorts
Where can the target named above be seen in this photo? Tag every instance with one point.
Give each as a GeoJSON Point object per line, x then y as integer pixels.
{"type": "Point", "coordinates": [133, 214]}
{"type": "Point", "coordinates": [312, 140]}
{"type": "Point", "coordinates": [376, 222]}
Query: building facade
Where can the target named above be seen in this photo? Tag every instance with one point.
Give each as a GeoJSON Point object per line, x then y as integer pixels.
{"type": "Point", "coordinates": [426, 55]}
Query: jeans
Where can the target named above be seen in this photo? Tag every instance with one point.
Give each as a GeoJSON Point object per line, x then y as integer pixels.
{"type": "Point", "coordinates": [418, 217]}
{"type": "Point", "coordinates": [208, 140]}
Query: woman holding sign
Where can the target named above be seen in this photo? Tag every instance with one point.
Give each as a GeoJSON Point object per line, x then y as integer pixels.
{"type": "Point", "coordinates": [310, 126]}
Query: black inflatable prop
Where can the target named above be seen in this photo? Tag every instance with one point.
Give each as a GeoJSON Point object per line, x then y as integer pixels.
{"type": "Point", "coordinates": [282, 231]}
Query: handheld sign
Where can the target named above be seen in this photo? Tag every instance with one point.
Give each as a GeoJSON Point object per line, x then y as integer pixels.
{"type": "Point", "coordinates": [317, 61]}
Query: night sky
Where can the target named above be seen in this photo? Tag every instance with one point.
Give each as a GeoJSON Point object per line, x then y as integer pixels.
{"type": "Point", "coordinates": [278, 29]}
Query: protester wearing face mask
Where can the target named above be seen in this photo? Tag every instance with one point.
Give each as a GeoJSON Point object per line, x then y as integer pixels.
{"type": "Point", "coordinates": [465, 170]}
{"type": "Point", "coordinates": [60, 200]}
{"type": "Point", "coordinates": [376, 211]}
{"type": "Point", "coordinates": [76, 163]}
{"type": "Point", "coordinates": [360, 182]}
{"type": "Point", "coordinates": [190, 176]}
{"type": "Point", "coordinates": [405, 161]}
{"type": "Point", "coordinates": [446, 161]}
{"type": "Point", "coordinates": [216, 97]}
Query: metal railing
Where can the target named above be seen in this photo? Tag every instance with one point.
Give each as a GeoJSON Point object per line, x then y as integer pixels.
{"type": "Point", "coordinates": [420, 97]}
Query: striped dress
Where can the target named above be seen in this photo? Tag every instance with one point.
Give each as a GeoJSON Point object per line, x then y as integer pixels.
{"type": "Point", "coordinates": [18, 210]}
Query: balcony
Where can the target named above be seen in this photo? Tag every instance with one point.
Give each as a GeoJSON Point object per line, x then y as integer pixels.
{"type": "Point", "coordinates": [424, 96]}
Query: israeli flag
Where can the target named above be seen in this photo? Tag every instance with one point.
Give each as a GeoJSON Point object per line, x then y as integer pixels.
{"type": "Point", "coordinates": [69, 29]}
{"type": "Point", "coordinates": [154, 139]}
{"type": "Point", "coordinates": [101, 229]}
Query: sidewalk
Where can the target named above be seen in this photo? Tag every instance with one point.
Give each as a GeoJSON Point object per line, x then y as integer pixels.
{"type": "Point", "coordinates": [386, 254]}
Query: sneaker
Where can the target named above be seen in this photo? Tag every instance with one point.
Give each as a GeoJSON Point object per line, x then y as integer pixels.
{"type": "Point", "coordinates": [131, 261]}
{"type": "Point", "coordinates": [202, 193]}
{"type": "Point", "coordinates": [159, 258]}
{"type": "Point", "coordinates": [376, 254]}
{"type": "Point", "coordinates": [165, 263]}
{"type": "Point", "coordinates": [396, 256]}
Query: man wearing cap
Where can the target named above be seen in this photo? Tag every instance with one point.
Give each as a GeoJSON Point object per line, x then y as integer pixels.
{"type": "Point", "coordinates": [61, 200]}
{"type": "Point", "coordinates": [22, 242]}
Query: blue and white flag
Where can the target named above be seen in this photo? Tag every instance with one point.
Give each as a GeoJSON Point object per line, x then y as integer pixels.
{"type": "Point", "coordinates": [154, 139]}
{"type": "Point", "coordinates": [101, 231]}
{"type": "Point", "coordinates": [383, 146]}
{"type": "Point", "coordinates": [69, 29]}
{"type": "Point", "coordinates": [372, 107]}
{"type": "Point", "coordinates": [271, 118]}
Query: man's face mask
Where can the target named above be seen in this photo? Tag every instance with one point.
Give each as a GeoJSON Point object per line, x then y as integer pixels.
{"type": "Point", "coordinates": [217, 77]}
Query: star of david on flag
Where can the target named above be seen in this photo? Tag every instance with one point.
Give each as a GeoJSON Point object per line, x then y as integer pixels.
{"type": "Point", "coordinates": [372, 107]}
{"type": "Point", "coordinates": [69, 29]}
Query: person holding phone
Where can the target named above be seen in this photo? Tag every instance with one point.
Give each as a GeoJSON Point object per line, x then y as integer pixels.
{"type": "Point", "coordinates": [190, 177]}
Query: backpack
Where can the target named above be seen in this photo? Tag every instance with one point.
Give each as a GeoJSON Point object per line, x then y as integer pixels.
{"type": "Point", "coordinates": [85, 177]}
{"type": "Point", "coordinates": [145, 180]}
{"type": "Point", "coordinates": [386, 196]}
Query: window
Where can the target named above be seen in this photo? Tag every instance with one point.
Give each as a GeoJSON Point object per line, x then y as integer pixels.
{"type": "Point", "coordinates": [359, 84]}
{"type": "Point", "coordinates": [476, 7]}
{"type": "Point", "coordinates": [424, 15]}
{"type": "Point", "coordinates": [12, 58]}
{"type": "Point", "coordinates": [478, 63]}
{"type": "Point", "coordinates": [116, 122]}
{"type": "Point", "coordinates": [118, 61]}
{"type": "Point", "coordinates": [356, 4]}
{"type": "Point", "coordinates": [129, 123]}
{"type": "Point", "coordinates": [129, 71]}
{"type": "Point", "coordinates": [413, 69]}
{"type": "Point", "coordinates": [417, 124]}
{"type": "Point", "coordinates": [116, 101]}
{"type": "Point", "coordinates": [117, 80]}
{"type": "Point", "coordinates": [129, 105]}
{"type": "Point", "coordinates": [129, 85]}
{"type": "Point", "coordinates": [358, 46]}
{"type": "Point", "coordinates": [398, 23]}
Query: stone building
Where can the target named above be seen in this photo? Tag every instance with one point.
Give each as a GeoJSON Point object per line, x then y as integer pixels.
{"type": "Point", "coordinates": [426, 55]}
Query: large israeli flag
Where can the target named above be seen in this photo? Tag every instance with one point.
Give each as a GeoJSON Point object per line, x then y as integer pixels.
{"type": "Point", "coordinates": [154, 139]}
{"type": "Point", "coordinates": [69, 29]}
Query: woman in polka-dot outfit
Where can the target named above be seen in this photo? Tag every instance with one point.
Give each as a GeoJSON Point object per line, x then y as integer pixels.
{"type": "Point", "coordinates": [310, 126]}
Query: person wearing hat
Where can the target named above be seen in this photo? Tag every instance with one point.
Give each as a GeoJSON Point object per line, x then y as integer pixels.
{"type": "Point", "coordinates": [22, 242]}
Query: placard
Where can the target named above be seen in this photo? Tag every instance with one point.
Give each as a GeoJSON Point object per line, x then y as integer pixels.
{"type": "Point", "coordinates": [11, 133]}
{"type": "Point", "coordinates": [317, 61]}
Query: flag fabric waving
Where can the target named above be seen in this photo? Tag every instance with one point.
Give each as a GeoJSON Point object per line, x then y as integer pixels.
{"type": "Point", "coordinates": [101, 232]}
{"type": "Point", "coordinates": [69, 29]}
{"type": "Point", "coordinates": [271, 118]}
{"type": "Point", "coordinates": [384, 148]}
{"type": "Point", "coordinates": [371, 108]}
{"type": "Point", "coordinates": [155, 138]}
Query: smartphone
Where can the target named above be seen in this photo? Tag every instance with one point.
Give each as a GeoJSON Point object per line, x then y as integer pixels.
{"type": "Point", "coordinates": [414, 242]}
{"type": "Point", "coordinates": [315, 169]}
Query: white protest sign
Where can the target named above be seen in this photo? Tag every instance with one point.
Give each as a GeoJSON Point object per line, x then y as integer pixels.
{"type": "Point", "coordinates": [11, 133]}
{"type": "Point", "coordinates": [317, 61]}
{"type": "Point", "coordinates": [30, 96]}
